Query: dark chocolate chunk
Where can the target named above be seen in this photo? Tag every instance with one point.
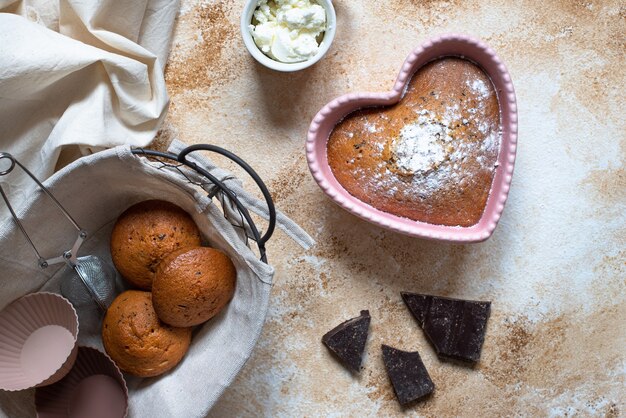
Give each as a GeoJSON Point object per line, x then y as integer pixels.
{"type": "Point", "coordinates": [455, 327]}
{"type": "Point", "coordinates": [407, 373]}
{"type": "Point", "coordinates": [347, 340]}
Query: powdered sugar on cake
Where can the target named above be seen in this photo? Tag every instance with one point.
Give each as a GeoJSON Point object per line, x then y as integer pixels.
{"type": "Point", "coordinates": [371, 128]}
{"type": "Point", "coordinates": [429, 151]}
{"type": "Point", "coordinates": [479, 87]}
{"type": "Point", "coordinates": [421, 147]}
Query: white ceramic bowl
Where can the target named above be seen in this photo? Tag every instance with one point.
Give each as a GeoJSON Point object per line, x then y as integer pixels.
{"type": "Point", "coordinates": [329, 35]}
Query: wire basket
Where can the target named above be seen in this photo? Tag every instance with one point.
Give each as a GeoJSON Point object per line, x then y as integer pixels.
{"type": "Point", "coordinates": [96, 189]}
{"type": "Point", "coordinates": [217, 188]}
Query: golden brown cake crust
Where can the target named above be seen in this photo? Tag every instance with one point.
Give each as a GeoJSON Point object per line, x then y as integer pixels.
{"type": "Point", "coordinates": [444, 181]}
{"type": "Point", "coordinates": [144, 234]}
{"type": "Point", "coordinates": [192, 286]}
{"type": "Point", "coordinates": [137, 341]}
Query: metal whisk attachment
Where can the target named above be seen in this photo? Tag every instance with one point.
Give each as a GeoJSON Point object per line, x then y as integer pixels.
{"type": "Point", "coordinates": [91, 280]}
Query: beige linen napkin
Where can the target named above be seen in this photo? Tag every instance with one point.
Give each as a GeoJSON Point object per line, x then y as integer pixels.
{"type": "Point", "coordinates": [79, 76]}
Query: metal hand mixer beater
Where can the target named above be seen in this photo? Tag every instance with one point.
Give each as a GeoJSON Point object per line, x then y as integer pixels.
{"type": "Point", "coordinates": [88, 282]}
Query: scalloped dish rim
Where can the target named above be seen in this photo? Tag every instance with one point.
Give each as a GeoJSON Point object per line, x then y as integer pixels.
{"type": "Point", "coordinates": [331, 114]}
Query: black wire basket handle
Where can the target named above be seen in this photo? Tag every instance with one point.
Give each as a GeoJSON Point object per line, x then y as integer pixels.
{"type": "Point", "coordinates": [181, 159]}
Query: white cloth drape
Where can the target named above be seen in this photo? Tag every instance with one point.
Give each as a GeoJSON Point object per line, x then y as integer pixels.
{"type": "Point", "coordinates": [78, 76]}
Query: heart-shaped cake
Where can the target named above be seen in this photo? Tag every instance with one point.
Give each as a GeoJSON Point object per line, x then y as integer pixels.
{"type": "Point", "coordinates": [434, 157]}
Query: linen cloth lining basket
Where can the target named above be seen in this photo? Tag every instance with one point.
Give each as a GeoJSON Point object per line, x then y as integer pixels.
{"type": "Point", "coordinates": [96, 189]}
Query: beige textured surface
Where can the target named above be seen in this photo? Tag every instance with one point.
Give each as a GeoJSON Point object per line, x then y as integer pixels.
{"type": "Point", "coordinates": [554, 268]}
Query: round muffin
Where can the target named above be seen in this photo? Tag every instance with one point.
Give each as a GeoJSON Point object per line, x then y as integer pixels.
{"type": "Point", "coordinates": [193, 285]}
{"type": "Point", "coordinates": [137, 341]}
{"type": "Point", "coordinates": [144, 234]}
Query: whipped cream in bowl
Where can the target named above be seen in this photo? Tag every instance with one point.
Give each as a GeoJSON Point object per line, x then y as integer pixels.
{"type": "Point", "coordinates": [288, 35]}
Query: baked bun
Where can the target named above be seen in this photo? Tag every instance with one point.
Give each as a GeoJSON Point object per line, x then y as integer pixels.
{"type": "Point", "coordinates": [137, 341]}
{"type": "Point", "coordinates": [144, 234]}
{"type": "Point", "coordinates": [193, 285]}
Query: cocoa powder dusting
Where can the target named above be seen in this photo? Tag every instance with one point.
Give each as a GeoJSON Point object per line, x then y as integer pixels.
{"type": "Point", "coordinates": [204, 64]}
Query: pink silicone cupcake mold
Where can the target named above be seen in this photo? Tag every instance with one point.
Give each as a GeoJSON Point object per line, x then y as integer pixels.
{"type": "Point", "coordinates": [94, 388]}
{"type": "Point", "coordinates": [331, 114]}
{"type": "Point", "coordinates": [37, 341]}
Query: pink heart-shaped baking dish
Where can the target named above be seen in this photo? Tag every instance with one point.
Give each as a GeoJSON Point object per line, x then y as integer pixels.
{"type": "Point", "coordinates": [447, 45]}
